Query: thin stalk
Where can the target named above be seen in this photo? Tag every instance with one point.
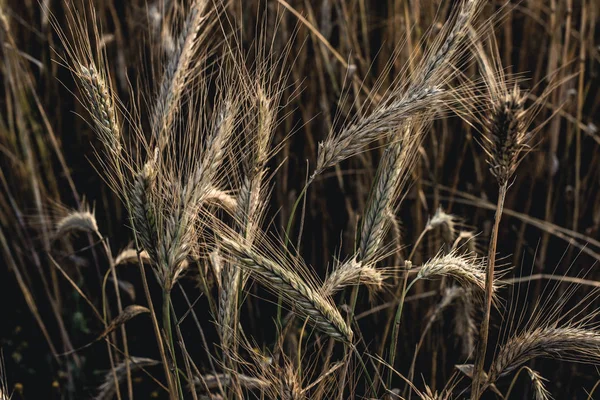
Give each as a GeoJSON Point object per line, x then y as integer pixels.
{"type": "Point", "coordinates": [489, 291]}
{"type": "Point", "coordinates": [166, 314]}
{"type": "Point", "coordinates": [514, 381]}
{"type": "Point", "coordinates": [349, 318]}
{"type": "Point", "coordinates": [287, 239]}
{"type": "Point", "coordinates": [113, 272]}
{"type": "Point", "coordinates": [396, 328]}
{"type": "Point", "coordinates": [159, 341]}
{"type": "Point", "coordinates": [417, 243]}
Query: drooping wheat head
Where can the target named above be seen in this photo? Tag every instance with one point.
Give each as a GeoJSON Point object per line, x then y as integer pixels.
{"type": "Point", "coordinates": [352, 272]}
{"type": "Point", "coordinates": [283, 279]}
{"type": "Point", "coordinates": [469, 271]}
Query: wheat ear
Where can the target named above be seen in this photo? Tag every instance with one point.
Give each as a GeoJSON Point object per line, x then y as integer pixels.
{"type": "Point", "coordinates": [176, 73]}
{"type": "Point", "coordinates": [101, 106]}
{"type": "Point", "coordinates": [352, 272]}
{"type": "Point", "coordinates": [567, 343]}
{"type": "Point", "coordinates": [294, 288]}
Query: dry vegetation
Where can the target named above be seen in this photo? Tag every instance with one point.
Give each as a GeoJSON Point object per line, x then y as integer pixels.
{"type": "Point", "coordinates": [271, 199]}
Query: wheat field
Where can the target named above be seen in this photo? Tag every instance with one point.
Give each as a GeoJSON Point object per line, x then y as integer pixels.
{"type": "Point", "coordinates": [300, 199]}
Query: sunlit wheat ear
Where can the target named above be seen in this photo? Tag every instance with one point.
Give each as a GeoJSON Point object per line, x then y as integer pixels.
{"type": "Point", "coordinates": [101, 106]}
{"type": "Point", "coordinates": [83, 221]}
{"type": "Point", "coordinates": [352, 272]}
{"type": "Point", "coordinates": [130, 256]}
{"type": "Point", "coordinates": [222, 199]}
{"type": "Point", "coordinates": [290, 387]}
{"type": "Point", "coordinates": [212, 381]}
{"type": "Point", "coordinates": [569, 343]}
{"type": "Point", "coordinates": [384, 120]}
{"type": "Point", "coordinates": [177, 72]}
{"type": "Point", "coordinates": [283, 280]}
{"type": "Point", "coordinates": [429, 394]}
{"type": "Point", "coordinates": [468, 271]}
{"type": "Point", "coordinates": [424, 91]}
{"type": "Point", "coordinates": [107, 389]}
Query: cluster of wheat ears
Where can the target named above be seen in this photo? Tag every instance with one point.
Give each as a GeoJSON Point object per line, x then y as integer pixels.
{"type": "Point", "coordinates": [194, 162]}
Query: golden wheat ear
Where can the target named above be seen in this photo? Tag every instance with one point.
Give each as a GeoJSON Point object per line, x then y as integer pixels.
{"type": "Point", "coordinates": [469, 271]}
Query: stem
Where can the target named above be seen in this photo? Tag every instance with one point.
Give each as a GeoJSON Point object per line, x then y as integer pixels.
{"type": "Point", "coordinates": [113, 272]}
{"type": "Point", "coordinates": [166, 314]}
{"type": "Point", "coordinates": [288, 230]}
{"type": "Point", "coordinates": [417, 243]}
{"type": "Point", "coordinates": [396, 329]}
{"type": "Point", "coordinates": [489, 281]}
{"type": "Point", "coordinates": [349, 318]}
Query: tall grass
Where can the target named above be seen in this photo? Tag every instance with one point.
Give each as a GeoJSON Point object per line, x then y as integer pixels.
{"type": "Point", "coordinates": [324, 200]}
